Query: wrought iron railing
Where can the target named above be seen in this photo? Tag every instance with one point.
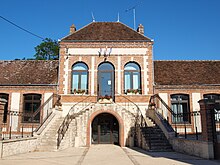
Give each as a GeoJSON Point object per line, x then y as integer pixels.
{"type": "Point", "coordinates": [14, 129]}
{"type": "Point", "coordinates": [140, 121]}
{"type": "Point", "coordinates": [46, 109]}
{"type": "Point", "coordinates": [73, 113]}
{"type": "Point", "coordinates": [170, 118]}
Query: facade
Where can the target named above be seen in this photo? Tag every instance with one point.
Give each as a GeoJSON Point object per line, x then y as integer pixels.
{"type": "Point", "coordinates": [105, 76]}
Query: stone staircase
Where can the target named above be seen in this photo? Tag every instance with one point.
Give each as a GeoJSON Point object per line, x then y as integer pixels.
{"type": "Point", "coordinates": [155, 138]}
{"type": "Point", "coordinates": [48, 141]}
{"type": "Point", "coordinates": [76, 133]}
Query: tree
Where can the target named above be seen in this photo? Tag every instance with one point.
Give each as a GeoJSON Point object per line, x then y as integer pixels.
{"type": "Point", "coordinates": [47, 50]}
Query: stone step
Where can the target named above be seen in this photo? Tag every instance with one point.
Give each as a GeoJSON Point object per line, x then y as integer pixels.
{"type": "Point", "coordinates": [160, 136]}
{"type": "Point", "coordinates": [159, 144]}
{"type": "Point", "coordinates": [160, 148]}
{"type": "Point", "coordinates": [155, 138]}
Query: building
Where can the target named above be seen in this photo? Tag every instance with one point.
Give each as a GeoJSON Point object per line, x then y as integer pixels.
{"type": "Point", "coordinates": [106, 77]}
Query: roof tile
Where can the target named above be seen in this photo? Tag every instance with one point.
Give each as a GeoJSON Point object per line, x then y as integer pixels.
{"type": "Point", "coordinates": [20, 72]}
{"type": "Point", "coordinates": [187, 72]}
{"type": "Point", "coordinates": [106, 31]}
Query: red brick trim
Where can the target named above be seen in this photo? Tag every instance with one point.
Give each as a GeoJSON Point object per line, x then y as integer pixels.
{"type": "Point", "coordinates": [116, 115]}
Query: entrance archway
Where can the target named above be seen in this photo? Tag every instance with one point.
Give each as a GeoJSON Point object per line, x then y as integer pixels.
{"type": "Point", "coordinates": [105, 129]}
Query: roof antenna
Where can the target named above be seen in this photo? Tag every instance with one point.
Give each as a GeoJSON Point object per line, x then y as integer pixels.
{"type": "Point", "coordinates": [133, 8]}
{"type": "Point", "coordinates": [118, 18]}
{"type": "Point", "coordinates": [134, 12]}
{"type": "Point", "coordinates": [93, 18]}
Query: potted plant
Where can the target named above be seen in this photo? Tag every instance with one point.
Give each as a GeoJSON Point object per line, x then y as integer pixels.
{"type": "Point", "coordinates": [132, 91]}
{"type": "Point", "coordinates": [105, 99]}
{"type": "Point", "coordinates": [79, 91]}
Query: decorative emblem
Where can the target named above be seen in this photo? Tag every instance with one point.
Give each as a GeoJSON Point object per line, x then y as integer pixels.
{"type": "Point", "coordinates": [105, 52]}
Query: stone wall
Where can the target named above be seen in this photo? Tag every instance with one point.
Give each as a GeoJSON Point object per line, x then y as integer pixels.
{"type": "Point", "coordinates": [193, 147]}
{"type": "Point", "coordinates": [17, 146]}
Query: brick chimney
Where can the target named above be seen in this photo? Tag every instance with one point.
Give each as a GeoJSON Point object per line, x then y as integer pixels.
{"type": "Point", "coordinates": [72, 29]}
{"type": "Point", "coordinates": [140, 29]}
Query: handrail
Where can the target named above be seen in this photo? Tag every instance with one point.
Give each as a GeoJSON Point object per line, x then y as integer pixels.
{"type": "Point", "coordinates": [140, 121]}
{"type": "Point", "coordinates": [68, 118]}
{"type": "Point", "coordinates": [166, 121]}
{"type": "Point", "coordinates": [163, 102]}
{"type": "Point", "coordinates": [142, 116]}
{"type": "Point", "coordinates": [54, 102]}
{"type": "Point", "coordinates": [44, 104]}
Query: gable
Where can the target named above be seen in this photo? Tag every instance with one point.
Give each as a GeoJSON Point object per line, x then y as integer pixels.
{"type": "Point", "coordinates": [106, 31]}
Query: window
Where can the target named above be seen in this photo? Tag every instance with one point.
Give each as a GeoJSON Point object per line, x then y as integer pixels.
{"type": "Point", "coordinates": [216, 98]}
{"type": "Point", "coordinates": [132, 78]}
{"type": "Point", "coordinates": [106, 81]}
{"type": "Point", "coordinates": [79, 78]}
{"type": "Point", "coordinates": [5, 96]}
{"type": "Point", "coordinates": [180, 106]}
{"type": "Point", "coordinates": [31, 103]}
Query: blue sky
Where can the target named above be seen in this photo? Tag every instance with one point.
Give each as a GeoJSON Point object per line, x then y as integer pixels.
{"type": "Point", "coordinates": [181, 29]}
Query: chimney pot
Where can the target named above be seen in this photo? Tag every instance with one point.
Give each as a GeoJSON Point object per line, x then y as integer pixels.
{"type": "Point", "coordinates": [72, 29]}
{"type": "Point", "coordinates": [140, 29]}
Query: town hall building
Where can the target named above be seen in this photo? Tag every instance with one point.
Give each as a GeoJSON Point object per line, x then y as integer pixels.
{"type": "Point", "coordinates": [101, 91]}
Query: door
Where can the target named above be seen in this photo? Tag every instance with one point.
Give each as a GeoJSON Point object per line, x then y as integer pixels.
{"type": "Point", "coordinates": [105, 129]}
{"type": "Point", "coordinates": [106, 81]}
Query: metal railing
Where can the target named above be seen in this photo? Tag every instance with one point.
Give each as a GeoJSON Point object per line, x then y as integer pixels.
{"type": "Point", "coordinates": [140, 121]}
{"type": "Point", "coordinates": [181, 122]}
{"type": "Point", "coordinates": [73, 113]}
{"type": "Point", "coordinates": [14, 129]}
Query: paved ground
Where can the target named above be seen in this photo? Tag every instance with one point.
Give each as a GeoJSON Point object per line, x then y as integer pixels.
{"type": "Point", "coordinates": [104, 155]}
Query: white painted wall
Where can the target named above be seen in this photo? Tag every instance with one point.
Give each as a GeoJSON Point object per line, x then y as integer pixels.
{"type": "Point", "coordinates": [119, 51]}
{"type": "Point", "coordinates": [15, 102]}
{"type": "Point", "coordinates": [164, 97]}
{"type": "Point", "coordinates": [146, 82]}
{"type": "Point", "coordinates": [197, 119]}
{"type": "Point", "coordinates": [49, 106]}
{"type": "Point", "coordinates": [92, 75]}
{"type": "Point", "coordinates": [65, 83]}
{"type": "Point", "coordinates": [119, 75]}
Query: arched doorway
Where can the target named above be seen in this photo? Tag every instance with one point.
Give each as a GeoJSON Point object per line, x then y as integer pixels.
{"type": "Point", "coordinates": [106, 82]}
{"type": "Point", "coordinates": [105, 129]}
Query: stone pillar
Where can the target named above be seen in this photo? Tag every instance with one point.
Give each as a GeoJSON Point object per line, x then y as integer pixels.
{"type": "Point", "coordinates": [2, 107]}
{"type": "Point", "coordinates": [208, 120]}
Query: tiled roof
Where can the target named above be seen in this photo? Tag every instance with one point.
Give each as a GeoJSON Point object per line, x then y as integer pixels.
{"type": "Point", "coordinates": [106, 31]}
{"type": "Point", "coordinates": [187, 72]}
{"type": "Point", "coordinates": [27, 72]}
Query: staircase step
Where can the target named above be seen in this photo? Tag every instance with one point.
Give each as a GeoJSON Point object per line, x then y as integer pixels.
{"type": "Point", "coordinates": [155, 138]}
{"type": "Point", "coordinates": [160, 144]}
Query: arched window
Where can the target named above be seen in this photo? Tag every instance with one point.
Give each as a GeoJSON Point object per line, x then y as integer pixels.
{"type": "Point", "coordinates": [132, 78]}
{"type": "Point", "coordinates": [79, 78]}
{"type": "Point", "coordinates": [5, 96]}
{"type": "Point", "coordinates": [180, 106]}
{"type": "Point", "coordinates": [31, 104]}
